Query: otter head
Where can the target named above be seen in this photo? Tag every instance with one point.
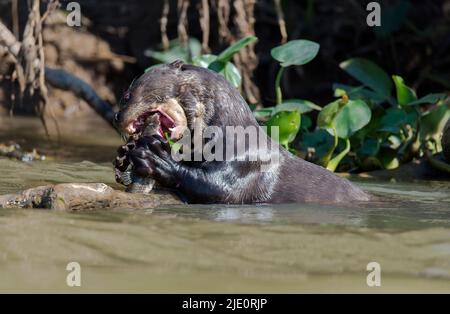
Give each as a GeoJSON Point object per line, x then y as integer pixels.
{"type": "Point", "coordinates": [167, 91]}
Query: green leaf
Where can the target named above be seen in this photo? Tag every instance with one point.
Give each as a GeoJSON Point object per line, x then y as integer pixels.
{"type": "Point", "coordinates": [370, 74]}
{"type": "Point", "coordinates": [288, 123]}
{"type": "Point", "coordinates": [176, 51]}
{"type": "Point", "coordinates": [218, 66]}
{"type": "Point", "coordinates": [405, 94]}
{"type": "Point", "coordinates": [429, 99]}
{"type": "Point", "coordinates": [346, 118]}
{"type": "Point", "coordinates": [228, 53]}
{"type": "Point", "coordinates": [392, 120]}
{"type": "Point", "coordinates": [301, 105]}
{"type": "Point", "coordinates": [320, 140]}
{"type": "Point", "coordinates": [306, 122]}
{"type": "Point", "coordinates": [175, 147]}
{"type": "Point", "coordinates": [295, 52]}
{"type": "Point", "coordinates": [204, 60]}
{"type": "Point", "coordinates": [264, 113]}
{"type": "Point", "coordinates": [352, 117]}
{"type": "Point", "coordinates": [357, 92]}
{"type": "Point", "coordinates": [370, 147]}
{"type": "Point", "coordinates": [232, 74]}
{"type": "Point", "coordinates": [396, 118]}
{"type": "Point", "coordinates": [327, 115]}
{"type": "Point", "coordinates": [228, 69]}
{"type": "Point", "coordinates": [432, 123]}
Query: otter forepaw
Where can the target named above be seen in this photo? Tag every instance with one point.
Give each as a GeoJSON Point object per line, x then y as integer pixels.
{"type": "Point", "coordinates": [122, 161]}
{"type": "Point", "coordinates": [152, 158]}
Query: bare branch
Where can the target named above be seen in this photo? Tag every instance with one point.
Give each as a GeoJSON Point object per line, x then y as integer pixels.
{"type": "Point", "coordinates": [163, 24]}
{"type": "Point", "coordinates": [8, 40]}
{"type": "Point", "coordinates": [281, 21]}
{"type": "Point", "coordinates": [204, 24]}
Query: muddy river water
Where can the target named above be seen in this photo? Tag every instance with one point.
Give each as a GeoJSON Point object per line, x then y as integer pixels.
{"type": "Point", "coordinates": [191, 248]}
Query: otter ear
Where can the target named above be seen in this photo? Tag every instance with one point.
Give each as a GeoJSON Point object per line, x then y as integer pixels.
{"type": "Point", "coordinates": [177, 64]}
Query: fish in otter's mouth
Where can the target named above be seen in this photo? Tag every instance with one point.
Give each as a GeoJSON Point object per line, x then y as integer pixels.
{"type": "Point", "coordinates": [169, 116]}
{"type": "Point", "coordinates": [166, 123]}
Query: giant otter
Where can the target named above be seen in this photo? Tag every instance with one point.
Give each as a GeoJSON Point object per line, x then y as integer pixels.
{"type": "Point", "coordinates": [190, 98]}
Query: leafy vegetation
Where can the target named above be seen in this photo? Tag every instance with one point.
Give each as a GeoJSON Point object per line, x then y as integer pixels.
{"type": "Point", "coordinates": [377, 124]}
{"type": "Point", "coordinates": [295, 52]}
{"type": "Point", "coordinates": [190, 53]}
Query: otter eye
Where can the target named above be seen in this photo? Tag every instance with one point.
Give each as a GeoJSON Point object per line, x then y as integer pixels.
{"type": "Point", "coordinates": [127, 95]}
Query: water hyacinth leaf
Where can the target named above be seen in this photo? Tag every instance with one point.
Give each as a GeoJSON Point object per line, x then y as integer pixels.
{"type": "Point", "coordinates": [432, 123]}
{"type": "Point", "coordinates": [370, 147]}
{"type": "Point", "coordinates": [295, 52]}
{"type": "Point", "coordinates": [218, 66]}
{"type": "Point", "coordinates": [232, 74]}
{"type": "Point", "coordinates": [405, 94]}
{"type": "Point", "coordinates": [339, 92]}
{"type": "Point", "coordinates": [262, 114]}
{"type": "Point", "coordinates": [228, 53]}
{"type": "Point", "coordinates": [411, 118]}
{"type": "Point", "coordinates": [429, 99]}
{"type": "Point", "coordinates": [168, 56]}
{"type": "Point", "coordinates": [319, 140]}
{"type": "Point", "coordinates": [204, 60]}
{"type": "Point", "coordinates": [301, 105]}
{"type": "Point", "coordinates": [357, 92]}
{"type": "Point", "coordinates": [288, 123]}
{"type": "Point", "coordinates": [396, 118]}
{"type": "Point", "coordinates": [306, 122]}
{"type": "Point", "coordinates": [352, 117]}
{"type": "Point", "coordinates": [370, 74]}
{"type": "Point", "coordinates": [210, 61]}
{"type": "Point", "coordinates": [393, 120]}
{"type": "Point", "coordinates": [328, 113]}
{"type": "Point", "coordinates": [390, 129]}
{"type": "Point", "coordinates": [176, 51]}
{"type": "Point", "coordinates": [228, 70]}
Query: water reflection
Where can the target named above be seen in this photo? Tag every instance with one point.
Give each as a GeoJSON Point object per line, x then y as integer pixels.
{"type": "Point", "coordinates": [394, 213]}
{"type": "Point", "coordinates": [243, 215]}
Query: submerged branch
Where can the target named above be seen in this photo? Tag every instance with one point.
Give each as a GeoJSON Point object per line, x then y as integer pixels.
{"type": "Point", "coordinates": [59, 78]}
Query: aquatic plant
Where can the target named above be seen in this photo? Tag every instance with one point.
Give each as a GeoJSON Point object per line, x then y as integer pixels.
{"type": "Point", "coordinates": [368, 127]}
{"type": "Point", "coordinates": [379, 123]}
{"type": "Point", "coordinates": [190, 53]}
